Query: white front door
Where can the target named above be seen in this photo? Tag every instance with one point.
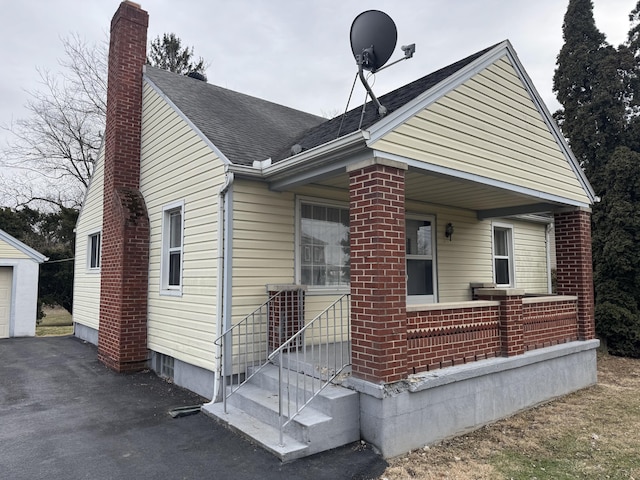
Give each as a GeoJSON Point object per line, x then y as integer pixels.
{"type": "Point", "coordinates": [6, 280]}
{"type": "Point", "coordinates": [421, 278]}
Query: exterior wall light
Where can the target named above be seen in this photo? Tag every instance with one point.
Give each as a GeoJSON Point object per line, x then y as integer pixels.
{"type": "Point", "coordinates": [448, 231]}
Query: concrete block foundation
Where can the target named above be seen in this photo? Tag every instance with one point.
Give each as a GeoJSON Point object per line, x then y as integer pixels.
{"type": "Point", "coordinates": [439, 404]}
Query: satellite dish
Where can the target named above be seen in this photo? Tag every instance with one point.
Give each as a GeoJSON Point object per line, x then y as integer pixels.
{"type": "Point", "coordinates": [373, 39]}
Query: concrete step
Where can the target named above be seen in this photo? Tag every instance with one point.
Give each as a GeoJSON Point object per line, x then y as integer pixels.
{"type": "Point", "coordinates": [332, 400]}
{"type": "Point", "coordinates": [259, 432]}
{"type": "Point", "coordinates": [329, 421]}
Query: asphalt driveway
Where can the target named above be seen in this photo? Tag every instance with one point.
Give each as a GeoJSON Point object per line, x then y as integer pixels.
{"type": "Point", "coordinates": [63, 415]}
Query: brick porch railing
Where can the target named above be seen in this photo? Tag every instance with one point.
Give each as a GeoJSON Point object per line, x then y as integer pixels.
{"type": "Point", "coordinates": [502, 323]}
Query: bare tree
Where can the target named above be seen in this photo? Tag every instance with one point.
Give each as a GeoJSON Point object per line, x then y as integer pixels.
{"type": "Point", "coordinates": [51, 152]}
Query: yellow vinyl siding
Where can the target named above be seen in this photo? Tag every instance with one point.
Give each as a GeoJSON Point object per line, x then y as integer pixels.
{"type": "Point", "coordinates": [9, 251]}
{"type": "Point", "coordinates": [531, 257]}
{"type": "Point", "coordinates": [488, 127]}
{"type": "Point", "coordinates": [86, 284]}
{"type": "Point", "coordinates": [263, 244]}
{"type": "Point", "coordinates": [177, 165]}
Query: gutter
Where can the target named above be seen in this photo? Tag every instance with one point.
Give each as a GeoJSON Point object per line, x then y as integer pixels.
{"type": "Point", "coordinates": [321, 155]}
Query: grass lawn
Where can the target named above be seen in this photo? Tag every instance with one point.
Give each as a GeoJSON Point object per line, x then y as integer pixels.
{"type": "Point", "coordinates": [590, 434]}
{"type": "Point", "coordinates": [57, 321]}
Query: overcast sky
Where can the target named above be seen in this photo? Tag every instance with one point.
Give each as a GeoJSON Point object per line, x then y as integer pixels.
{"type": "Point", "coordinates": [297, 52]}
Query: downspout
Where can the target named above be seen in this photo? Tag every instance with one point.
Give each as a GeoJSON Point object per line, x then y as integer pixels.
{"type": "Point", "coordinates": [221, 293]}
{"type": "Point", "coordinates": [547, 239]}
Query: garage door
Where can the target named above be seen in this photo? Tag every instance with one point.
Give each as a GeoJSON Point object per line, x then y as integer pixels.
{"type": "Point", "coordinates": [6, 278]}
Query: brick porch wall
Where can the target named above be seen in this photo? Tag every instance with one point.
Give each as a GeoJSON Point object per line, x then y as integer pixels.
{"type": "Point", "coordinates": [548, 323]}
{"type": "Point", "coordinates": [444, 337]}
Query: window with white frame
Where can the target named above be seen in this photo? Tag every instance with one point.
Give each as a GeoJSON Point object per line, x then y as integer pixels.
{"type": "Point", "coordinates": [172, 252]}
{"type": "Point", "coordinates": [94, 242]}
{"type": "Point", "coordinates": [503, 273]}
{"type": "Point", "coordinates": [420, 249]}
{"type": "Point", "coordinates": [323, 244]}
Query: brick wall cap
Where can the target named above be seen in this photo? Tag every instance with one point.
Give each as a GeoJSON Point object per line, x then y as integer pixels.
{"type": "Point", "coordinates": [550, 298]}
{"type": "Point", "coordinates": [377, 161]}
{"type": "Point", "coordinates": [452, 305]}
{"type": "Point", "coordinates": [501, 292]}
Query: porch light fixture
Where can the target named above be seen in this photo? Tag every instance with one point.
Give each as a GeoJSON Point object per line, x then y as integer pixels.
{"type": "Point", "coordinates": [448, 231]}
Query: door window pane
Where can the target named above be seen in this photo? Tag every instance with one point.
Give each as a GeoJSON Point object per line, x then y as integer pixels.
{"type": "Point", "coordinates": [420, 277]}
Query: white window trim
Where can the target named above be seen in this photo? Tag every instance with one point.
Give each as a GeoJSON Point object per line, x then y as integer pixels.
{"type": "Point", "coordinates": [314, 289]}
{"type": "Point", "coordinates": [165, 288]}
{"type": "Point", "coordinates": [511, 257]}
{"type": "Point", "coordinates": [90, 234]}
{"type": "Point", "coordinates": [420, 299]}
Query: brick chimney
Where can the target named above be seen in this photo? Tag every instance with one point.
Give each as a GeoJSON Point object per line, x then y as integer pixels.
{"type": "Point", "coordinates": [122, 335]}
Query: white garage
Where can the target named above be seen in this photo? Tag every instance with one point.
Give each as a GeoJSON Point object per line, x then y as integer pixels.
{"type": "Point", "coordinates": [19, 268]}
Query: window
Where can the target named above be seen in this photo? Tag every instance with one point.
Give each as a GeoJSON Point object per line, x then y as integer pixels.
{"type": "Point", "coordinates": [503, 255]}
{"type": "Point", "coordinates": [323, 245]}
{"type": "Point", "coordinates": [420, 267]}
{"type": "Point", "coordinates": [172, 239]}
{"type": "Point", "coordinates": [93, 251]}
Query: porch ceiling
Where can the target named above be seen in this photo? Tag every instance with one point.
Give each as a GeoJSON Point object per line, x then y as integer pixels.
{"type": "Point", "coordinates": [486, 200]}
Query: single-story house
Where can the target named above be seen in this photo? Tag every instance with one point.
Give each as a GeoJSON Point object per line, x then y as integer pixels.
{"type": "Point", "coordinates": [19, 269]}
{"type": "Point", "coordinates": [323, 281]}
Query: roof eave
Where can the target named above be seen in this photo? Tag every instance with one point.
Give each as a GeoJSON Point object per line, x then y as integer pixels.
{"type": "Point", "coordinates": [319, 162]}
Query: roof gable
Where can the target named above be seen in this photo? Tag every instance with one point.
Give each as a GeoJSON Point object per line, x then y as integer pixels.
{"type": "Point", "coordinates": [393, 101]}
{"type": "Point", "coordinates": [488, 121]}
{"type": "Point", "coordinates": [21, 248]}
{"type": "Point", "coordinates": [243, 128]}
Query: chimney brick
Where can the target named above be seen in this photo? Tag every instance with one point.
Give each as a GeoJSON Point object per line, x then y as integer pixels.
{"type": "Point", "coordinates": [122, 335]}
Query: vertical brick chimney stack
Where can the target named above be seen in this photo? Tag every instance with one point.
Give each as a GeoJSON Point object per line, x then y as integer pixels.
{"type": "Point", "coordinates": [122, 336]}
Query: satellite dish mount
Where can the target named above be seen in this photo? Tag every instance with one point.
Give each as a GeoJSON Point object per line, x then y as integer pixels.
{"type": "Point", "coordinates": [373, 40]}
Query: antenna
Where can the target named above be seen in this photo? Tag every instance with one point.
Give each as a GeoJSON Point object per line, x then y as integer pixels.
{"type": "Point", "coordinates": [373, 40]}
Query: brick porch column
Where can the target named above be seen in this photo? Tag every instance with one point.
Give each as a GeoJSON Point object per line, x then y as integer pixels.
{"type": "Point", "coordinates": [574, 272]}
{"type": "Point", "coordinates": [122, 334]}
{"type": "Point", "coordinates": [511, 321]}
{"type": "Point", "coordinates": [378, 270]}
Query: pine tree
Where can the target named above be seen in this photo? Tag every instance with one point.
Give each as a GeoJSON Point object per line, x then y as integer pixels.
{"type": "Point", "coordinates": [597, 86]}
{"type": "Point", "coordinates": [587, 84]}
{"type": "Point", "coordinates": [616, 245]}
{"type": "Point", "coordinates": [167, 53]}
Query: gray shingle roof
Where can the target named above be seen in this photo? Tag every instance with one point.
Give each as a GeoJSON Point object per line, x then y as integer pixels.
{"type": "Point", "coordinates": [242, 127]}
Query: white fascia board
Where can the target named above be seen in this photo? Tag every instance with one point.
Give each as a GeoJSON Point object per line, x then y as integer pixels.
{"type": "Point", "coordinates": [308, 164]}
{"type": "Point", "coordinates": [202, 136]}
{"type": "Point", "coordinates": [26, 249]}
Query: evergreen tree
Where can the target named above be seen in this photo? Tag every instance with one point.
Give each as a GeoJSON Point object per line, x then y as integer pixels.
{"type": "Point", "coordinates": [167, 53]}
{"type": "Point", "coordinates": [587, 84]}
{"type": "Point", "coordinates": [597, 86]}
{"type": "Point", "coordinates": [616, 245]}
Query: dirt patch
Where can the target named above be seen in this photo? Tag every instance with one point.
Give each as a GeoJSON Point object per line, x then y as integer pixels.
{"type": "Point", "coordinates": [593, 433]}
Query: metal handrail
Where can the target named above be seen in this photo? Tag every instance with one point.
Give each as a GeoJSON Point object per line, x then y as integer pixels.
{"type": "Point", "coordinates": [251, 344]}
{"type": "Point", "coordinates": [312, 360]}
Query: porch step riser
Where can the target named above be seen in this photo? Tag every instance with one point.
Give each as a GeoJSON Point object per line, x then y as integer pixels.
{"type": "Point", "coordinates": [330, 421]}
{"type": "Point", "coordinates": [332, 401]}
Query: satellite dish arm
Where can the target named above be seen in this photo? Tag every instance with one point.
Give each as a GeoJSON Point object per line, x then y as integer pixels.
{"type": "Point", "coordinates": [382, 111]}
